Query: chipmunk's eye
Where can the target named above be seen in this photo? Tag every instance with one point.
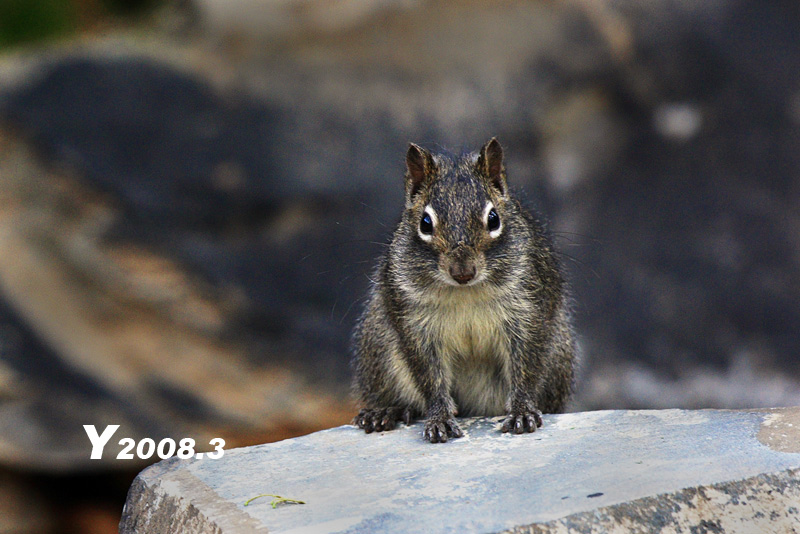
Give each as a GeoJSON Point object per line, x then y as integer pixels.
{"type": "Point", "coordinates": [426, 224]}
{"type": "Point", "coordinates": [492, 220]}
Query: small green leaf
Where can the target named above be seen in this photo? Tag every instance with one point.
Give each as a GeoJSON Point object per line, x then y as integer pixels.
{"type": "Point", "coordinates": [275, 501]}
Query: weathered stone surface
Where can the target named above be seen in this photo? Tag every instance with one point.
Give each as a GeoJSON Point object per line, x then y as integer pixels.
{"type": "Point", "coordinates": [607, 471]}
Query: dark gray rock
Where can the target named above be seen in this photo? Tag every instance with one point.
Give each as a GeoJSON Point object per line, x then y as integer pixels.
{"type": "Point", "coordinates": [100, 332]}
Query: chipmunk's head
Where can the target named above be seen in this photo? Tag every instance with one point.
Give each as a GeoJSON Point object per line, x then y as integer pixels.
{"type": "Point", "coordinates": [456, 207]}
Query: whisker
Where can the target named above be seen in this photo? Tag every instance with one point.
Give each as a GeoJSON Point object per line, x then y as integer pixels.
{"type": "Point", "coordinates": [351, 307]}
{"type": "Point", "coordinates": [563, 235]}
{"type": "Point", "coordinates": [333, 246]}
{"type": "Point", "coordinates": [582, 264]}
{"type": "Point", "coordinates": [379, 221]}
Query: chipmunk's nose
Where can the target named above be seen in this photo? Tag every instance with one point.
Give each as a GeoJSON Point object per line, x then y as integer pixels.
{"type": "Point", "coordinates": [462, 272]}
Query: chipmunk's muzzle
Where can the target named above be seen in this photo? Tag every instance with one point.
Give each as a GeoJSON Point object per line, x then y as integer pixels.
{"type": "Point", "coordinates": [463, 272]}
{"type": "Point", "coordinates": [462, 265]}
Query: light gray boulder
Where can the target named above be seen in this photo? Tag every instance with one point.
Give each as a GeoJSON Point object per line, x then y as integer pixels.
{"type": "Point", "coordinates": [605, 471]}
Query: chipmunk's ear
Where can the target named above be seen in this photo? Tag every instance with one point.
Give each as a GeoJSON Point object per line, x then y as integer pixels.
{"type": "Point", "coordinates": [420, 168]}
{"type": "Point", "coordinates": [490, 164]}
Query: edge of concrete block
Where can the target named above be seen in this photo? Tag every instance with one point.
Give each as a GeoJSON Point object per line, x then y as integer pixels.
{"type": "Point", "coordinates": [722, 508]}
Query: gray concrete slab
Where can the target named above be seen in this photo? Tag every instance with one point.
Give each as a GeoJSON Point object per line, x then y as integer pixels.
{"type": "Point", "coordinates": [606, 471]}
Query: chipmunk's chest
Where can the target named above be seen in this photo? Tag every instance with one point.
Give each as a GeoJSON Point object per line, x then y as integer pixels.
{"type": "Point", "coordinates": [470, 336]}
{"type": "Point", "coordinates": [469, 330]}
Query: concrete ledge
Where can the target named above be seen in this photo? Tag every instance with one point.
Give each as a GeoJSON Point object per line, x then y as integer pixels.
{"type": "Point", "coordinates": [610, 471]}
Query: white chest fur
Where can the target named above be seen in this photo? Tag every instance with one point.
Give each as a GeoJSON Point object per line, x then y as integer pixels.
{"type": "Point", "coordinates": [467, 326]}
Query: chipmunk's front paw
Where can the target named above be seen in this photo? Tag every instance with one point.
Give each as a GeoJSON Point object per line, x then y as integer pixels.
{"type": "Point", "coordinates": [519, 423]}
{"type": "Point", "coordinates": [438, 430]}
{"type": "Point", "coordinates": [379, 419]}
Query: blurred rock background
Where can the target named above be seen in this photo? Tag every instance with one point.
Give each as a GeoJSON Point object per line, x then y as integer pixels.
{"type": "Point", "coordinates": [193, 194]}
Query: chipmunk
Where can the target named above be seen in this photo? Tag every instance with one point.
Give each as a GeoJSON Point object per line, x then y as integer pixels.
{"type": "Point", "coordinates": [467, 313]}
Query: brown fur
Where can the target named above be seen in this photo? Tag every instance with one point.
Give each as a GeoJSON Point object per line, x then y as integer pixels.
{"type": "Point", "coordinates": [499, 343]}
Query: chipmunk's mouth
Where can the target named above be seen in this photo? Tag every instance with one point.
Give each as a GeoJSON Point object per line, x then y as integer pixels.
{"type": "Point", "coordinates": [478, 278]}
{"type": "Point", "coordinates": [461, 268]}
